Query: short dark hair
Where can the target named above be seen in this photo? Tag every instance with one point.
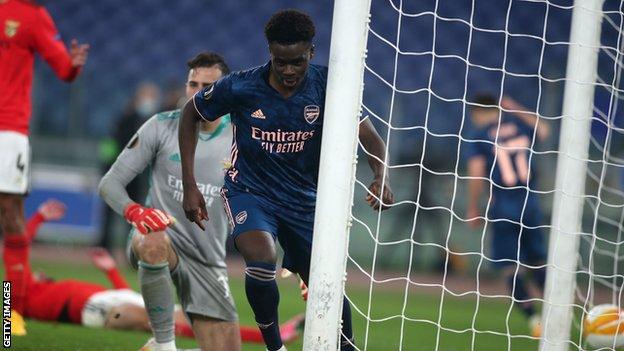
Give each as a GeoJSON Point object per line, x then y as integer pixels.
{"type": "Point", "coordinates": [208, 59]}
{"type": "Point", "coordinates": [288, 27]}
{"type": "Point", "coordinates": [485, 101]}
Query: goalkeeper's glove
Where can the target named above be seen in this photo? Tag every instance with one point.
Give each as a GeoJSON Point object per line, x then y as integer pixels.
{"type": "Point", "coordinates": [147, 220]}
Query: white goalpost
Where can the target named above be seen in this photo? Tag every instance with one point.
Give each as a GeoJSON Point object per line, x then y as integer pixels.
{"type": "Point", "coordinates": [422, 275]}
{"type": "Point", "coordinates": [336, 174]}
{"type": "Point", "coordinates": [571, 174]}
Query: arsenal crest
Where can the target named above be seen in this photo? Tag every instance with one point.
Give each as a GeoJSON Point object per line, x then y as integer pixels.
{"type": "Point", "coordinates": [241, 217]}
{"type": "Point", "coordinates": [311, 113]}
{"type": "Point", "coordinates": [10, 28]}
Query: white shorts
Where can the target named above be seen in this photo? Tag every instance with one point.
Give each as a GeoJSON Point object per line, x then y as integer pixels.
{"type": "Point", "coordinates": [14, 163]}
{"type": "Point", "coordinates": [97, 307]}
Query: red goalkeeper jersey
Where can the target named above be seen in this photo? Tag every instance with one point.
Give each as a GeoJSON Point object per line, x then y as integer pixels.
{"type": "Point", "coordinates": [26, 28]}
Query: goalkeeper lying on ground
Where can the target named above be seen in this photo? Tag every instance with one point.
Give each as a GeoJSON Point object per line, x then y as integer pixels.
{"type": "Point", "coordinates": [89, 304]}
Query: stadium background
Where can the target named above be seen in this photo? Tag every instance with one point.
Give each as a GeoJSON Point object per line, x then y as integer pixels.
{"type": "Point", "coordinates": [140, 41]}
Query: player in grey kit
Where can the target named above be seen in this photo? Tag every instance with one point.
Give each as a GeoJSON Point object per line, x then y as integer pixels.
{"type": "Point", "coordinates": [165, 250]}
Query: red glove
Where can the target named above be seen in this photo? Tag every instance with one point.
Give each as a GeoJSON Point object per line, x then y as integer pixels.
{"type": "Point", "coordinates": [147, 220]}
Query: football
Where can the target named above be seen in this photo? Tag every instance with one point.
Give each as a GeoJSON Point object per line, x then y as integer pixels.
{"type": "Point", "coordinates": [603, 326]}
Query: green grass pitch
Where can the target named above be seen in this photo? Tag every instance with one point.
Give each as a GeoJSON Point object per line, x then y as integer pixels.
{"type": "Point", "coordinates": [421, 334]}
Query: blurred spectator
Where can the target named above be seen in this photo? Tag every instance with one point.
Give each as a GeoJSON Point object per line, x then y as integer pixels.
{"type": "Point", "coordinates": [144, 104]}
{"type": "Point", "coordinates": [173, 97]}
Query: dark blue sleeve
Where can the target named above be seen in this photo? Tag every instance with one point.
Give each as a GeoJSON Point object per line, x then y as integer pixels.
{"type": "Point", "coordinates": [524, 129]}
{"type": "Point", "coordinates": [216, 100]}
{"type": "Point", "coordinates": [475, 145]}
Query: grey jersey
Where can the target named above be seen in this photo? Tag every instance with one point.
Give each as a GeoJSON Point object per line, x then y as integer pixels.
{"type": "Point", "coordinates": [156, 145]}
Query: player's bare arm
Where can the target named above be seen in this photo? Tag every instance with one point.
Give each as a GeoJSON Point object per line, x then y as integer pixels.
{"type": "Point", "coordinates": [193, 201]}
{"type": "Point", "coordinates": [376, 153]}
{"type": "Point", "coordinates": [476, 171]}
{"type": "Point", "coordinates": [527, 117]}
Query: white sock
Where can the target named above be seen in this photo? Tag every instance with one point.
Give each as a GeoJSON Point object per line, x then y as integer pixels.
{"type": "Point", "coordinates": [167, 346]}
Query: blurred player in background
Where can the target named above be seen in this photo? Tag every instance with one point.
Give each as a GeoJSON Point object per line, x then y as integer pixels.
{"type": "Point", "coordinates": [500, 147]}
{"type": "Point", "coordinates": [93, 305]}
{"type": "Point", "coordinates": [26, 29]}
{"type": "Point", "coordinates": [164, 250]}
{"type": "Point", "coordinates": [270, 188]}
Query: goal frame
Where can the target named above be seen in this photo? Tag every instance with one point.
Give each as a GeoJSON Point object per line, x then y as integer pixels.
{"type": "Point", "coordinates": [339, 157]}
{"type": "Point", "coordinates": [336, 174]}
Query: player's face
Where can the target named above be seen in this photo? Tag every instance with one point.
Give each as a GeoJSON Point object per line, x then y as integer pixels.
{"type": "Point", "coordinates": [289, 63]}
{"type": "Point", "coordinates": [201, 77]}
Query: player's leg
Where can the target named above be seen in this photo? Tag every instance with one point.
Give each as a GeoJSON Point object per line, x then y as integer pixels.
{"type": "Point", "coordinates": [205, 297]}
{"type": "Point", "coordinates": [290, 330]}
{"type": "Point", "coordinates": [534, 246]}
{"type": "Point", "coordinates": [16, 260]}
{"type": "Point", "coordinates": [14, 174]}
{"type": "Point", "coordinates": [296, 240]}
{"type": "Point", "coordinates": [254, 225]}
{"type": "Point", "coordinates": [506, 251]}
{"type": "Point", "coordinates": [347, 340]}
{"type": "Point", "coordinates": [214, 334]}
{"type": "Point", "coordinates": [127, 317]}
{"type": "Point", "coordinates": [16, 255]}
{"type": "Point", "coordinates": [156, 258]}
{"type": "Point", "coordinates": [533, 253]}
{"type": "Point", "coordinates": [258, 250]}
{"type": "Point", "coordinates": [12, 214]}
{"type": "Point", "coordinates": [14, 181]}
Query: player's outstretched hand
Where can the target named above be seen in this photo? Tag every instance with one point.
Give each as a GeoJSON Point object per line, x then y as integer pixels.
{"type": "Point", "coordinates": [147, 220]}
{"type": "Point", "coordinates": [102, 259]}
{"type": "Point", "coordinates": [373, 196]}
{"type": "Point", "coordinates": [194, 206]}
{"type": "Point", "coordinates": [52, 210]}
{"type": "Point", "coordinates": [78, 53]}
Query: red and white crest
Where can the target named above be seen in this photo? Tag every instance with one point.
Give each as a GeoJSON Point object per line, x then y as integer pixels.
{"type": "Point", "coordinates": [311, 113]}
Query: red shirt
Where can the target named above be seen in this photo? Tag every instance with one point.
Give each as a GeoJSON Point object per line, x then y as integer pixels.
{"type": "Point", "coordinates": [61, 300]}
{"type": "Point", "coordinates": [26, 28]}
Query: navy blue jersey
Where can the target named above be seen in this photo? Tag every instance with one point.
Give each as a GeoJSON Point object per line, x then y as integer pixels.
{"type": "Point", "coordinates": [508, 163]}
{"type": "Point", "coordinates": [277, 140]}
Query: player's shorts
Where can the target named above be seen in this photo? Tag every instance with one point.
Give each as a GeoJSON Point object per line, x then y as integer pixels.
{"type": "Point", "coordinates": [99, 305]}
{"type": "Point", "coordinates": [508, 235]}
{"type": "Point", "coordinates": [293, 229]}
{"type": "Point", "coordinates": [202, 289]}
{"type": "Point", "coordinates": [14, 163]}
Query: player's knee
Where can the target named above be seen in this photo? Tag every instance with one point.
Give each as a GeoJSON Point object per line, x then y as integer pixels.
{"type": "Point", "coordinates": [10, 214]}
{"type": "Point", "coordinates": [257, 246]}
{"type": "Point", "coordinates": [153, 248]}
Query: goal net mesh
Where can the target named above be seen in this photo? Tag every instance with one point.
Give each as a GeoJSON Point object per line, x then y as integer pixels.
{"type": "Point", "coordinates": [423, 275]}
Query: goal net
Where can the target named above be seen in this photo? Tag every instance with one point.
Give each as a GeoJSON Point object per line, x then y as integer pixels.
{"type": "Point", "coordinates": [428, 275]}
